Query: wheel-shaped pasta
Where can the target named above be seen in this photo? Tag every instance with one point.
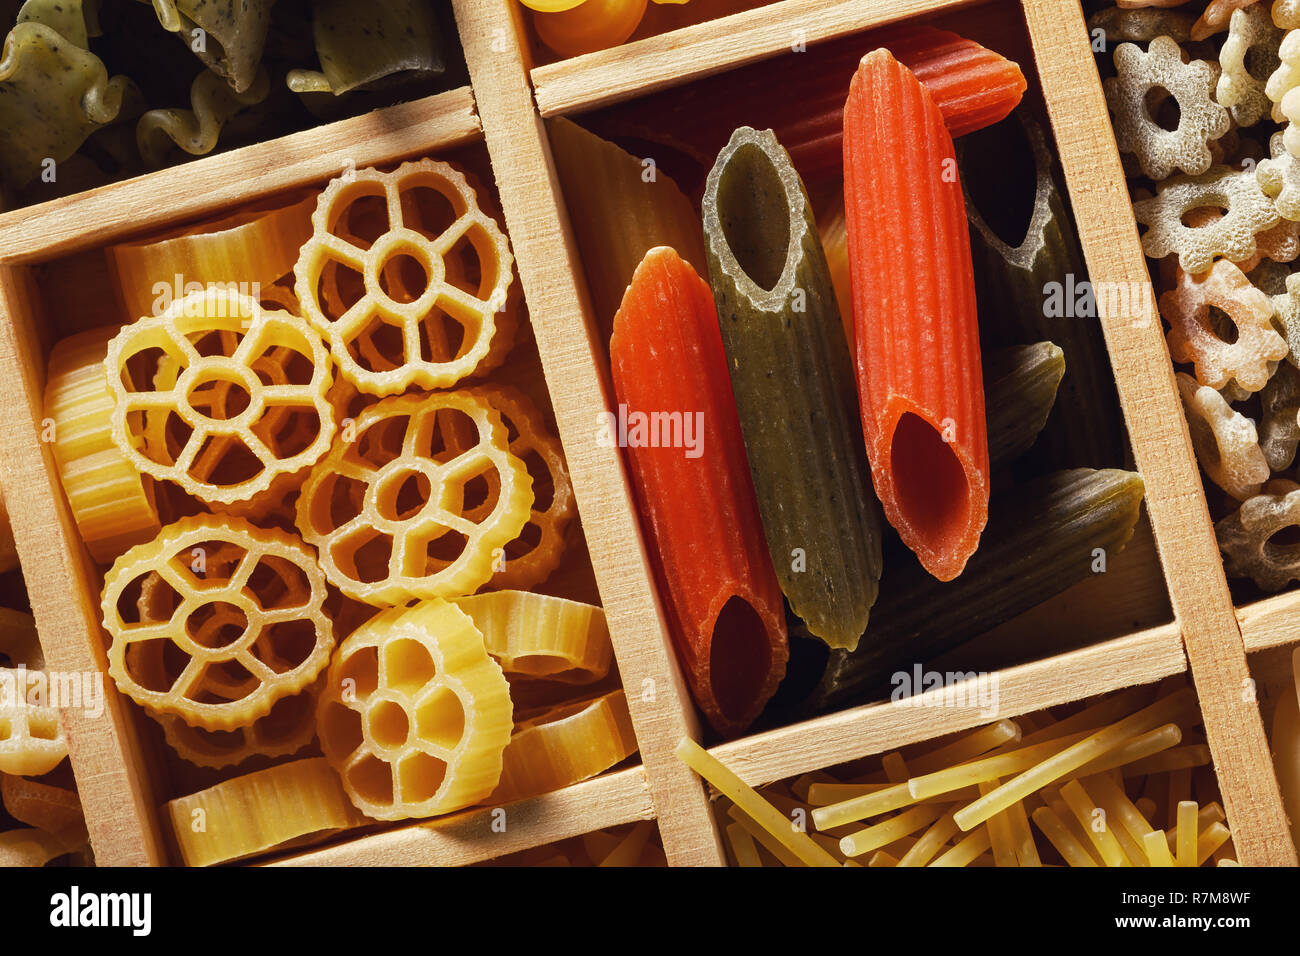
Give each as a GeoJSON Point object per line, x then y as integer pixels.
{"type": "Point", "coordinates": [415, 715]}
{"type": "Point", "coordinates": [229, 379]}
{"type": "Point", "coordinates": [407, 278]}
{"type": "Point", "coordinates": [418, 502]}
{"type": "Point", "coordinates": [215, 621]}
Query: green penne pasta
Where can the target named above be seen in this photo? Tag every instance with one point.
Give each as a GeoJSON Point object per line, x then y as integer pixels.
{"type": "Point", "coordinates": [1031, 284]}
{"type": "Point", "coordinates": [1040, 539]}
{"type": "Point", "coordinates": [1019, 390]}
{"type": "Point", "coordinates": [793, 383]}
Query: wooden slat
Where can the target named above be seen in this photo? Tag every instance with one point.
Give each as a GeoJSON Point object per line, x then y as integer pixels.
{"type": "Point", "coordinates": [644, 66]}
{"type": "Point", "coordinates": [1144, 377]}
{"type": "Point", "coordinates": [537, 221]}
{"type": "Point", "coordinates": [196, 188]}
{"type": "Point", "coordinates": [1270, 622]}
{"type": "Point", "coordinates": [1141, 658]}
{"type": "Point", "coordinates": [483, 834]}
{"type": "Point", "coordinates": [62, 585]}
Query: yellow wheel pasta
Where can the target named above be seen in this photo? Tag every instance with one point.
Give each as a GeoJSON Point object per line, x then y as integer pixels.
{"type": "Point", "coordinates": [418, 501]}
{"type": "Point", "coordinates": [565, 745]}
{"type": "Point", "coordinates": [253, 247]}
{"type": "Point", "coordinates": [31, 740]}
{"type": "Point", "coordinates": [112, 503]}
{"type": "Point", "coordinates": [223, 413]}
{"type": "Point", "coordinates": [540, 636]}
{"type": "Point", "coordinates": [531, 557]}
{"type": "Point", "coordinates": [405, 276]}
{"type": "Point", "coordinates": [414, 714]}
{"type": "Point", "coordinates": [287, 728]}
{"type": "Point", "coordinates": [254, 813]}
{"type": "Point", "coordinates": [216, 620]}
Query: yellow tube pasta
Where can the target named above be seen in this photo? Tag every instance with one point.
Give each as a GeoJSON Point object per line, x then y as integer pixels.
{"type": "Point", "coordinates": [253, 247]}
{"type": "Point", "coordinates": [565, 745]}
{"type": "Point", "coordinates": [249, 815]}
{"type": "Point", "coordinates": [967, 850]}
{"type": "Point", "coordinates": [112, 503]}
{"type": "Point", "coordinates": [537, 635]}
{"type": "Point", "coordinates": [1065, 843]}
{"type": "Point", "coordinates": [620, 207]}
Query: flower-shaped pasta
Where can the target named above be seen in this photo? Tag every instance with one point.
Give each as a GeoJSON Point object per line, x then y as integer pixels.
{"type": "Point", "coordinates": [1225, 441]}
{"type": "Point", "coordinates": [215, 621]}
{"type": "Point", "coordinates": [1279, 177]}
{"type": "Point", "coordinates": [31, 739]}
{"type": "Point", "coordinates": [218, 411]}
{"type": "Point", "coordinates": [1232, 236]}
{"type": "Point", "coordinates": [418, 501]}
{"type": "Point", "coordinates": [1244, 538]}
{"type": "Point", "coordinates": [1279, 426]}
{"type": "Point", "coordinates": [287, 728]}
{"type": "Point", "coordinates": [415, 715]}
{"type": "Point", "coordinates": [407, 278]}
{"type": "Point", "coordinates": [1250, 31]}
{"type": "Point", "coordinates": [1219, 356]}
{"type": "Point", "coordinates": [1201, 119]}
{"type": "Point", "coordinates": [1282, 89]}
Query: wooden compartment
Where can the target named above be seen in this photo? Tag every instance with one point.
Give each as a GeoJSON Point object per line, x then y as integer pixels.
{"type": "Point", "coordinates": [1141, 638]}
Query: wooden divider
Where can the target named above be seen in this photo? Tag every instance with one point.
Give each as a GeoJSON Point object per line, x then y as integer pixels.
{"type": "Point", "coordinates": [537, 221]}
{"type": "Point", "coordinates": [1144, 377]}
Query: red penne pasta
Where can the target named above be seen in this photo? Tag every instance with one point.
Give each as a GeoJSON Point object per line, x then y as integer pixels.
{"type": "Point", "coordinates": [800, 96]}
{"type": "Point", "coordinates": [697, 502]}
{"type": "Point", "coordinates": [916, 333]}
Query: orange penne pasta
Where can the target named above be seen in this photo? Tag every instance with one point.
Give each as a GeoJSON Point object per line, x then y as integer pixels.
{"type": "Point", "coordinates": [915, 327]}
{"type": "Point", "coordinates": [697, 501]}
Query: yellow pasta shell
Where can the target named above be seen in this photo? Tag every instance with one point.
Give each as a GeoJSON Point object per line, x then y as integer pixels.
{"type": "Point", "coordinates": [259, 811]}
{"type": "Point", "coordinates": [415, 715]}
{"type": "Point", "coordinates": [112, 503]}
{"type": "Point", "coordinates": [537, 635]}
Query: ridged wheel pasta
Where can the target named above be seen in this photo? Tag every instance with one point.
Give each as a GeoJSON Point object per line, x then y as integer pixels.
{"type": "Point", "coordinates": [287, 728]}
{"type": "Point", "coordinates": [415, 715]}
{"type": "Point", "coordinates": [539, 549]}
{"type": "Point", "coordinates": [419, 503]}
{"type": "Point", "coordinates": [223, 410]}
{"type": "Point", "coordinates": [31, 739]}
{"type": "Point", "coordinates": [112, 503]}
{"type": "Point", "coordinates": [405, 276]}
{"type": "Point", "coordinates": [216, 620]}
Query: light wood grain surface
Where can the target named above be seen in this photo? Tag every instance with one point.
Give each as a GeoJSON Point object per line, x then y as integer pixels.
{"type": "Point", "coordinates": [662, 712]}
{"type": "Point", "coordinates": [1144, 377]}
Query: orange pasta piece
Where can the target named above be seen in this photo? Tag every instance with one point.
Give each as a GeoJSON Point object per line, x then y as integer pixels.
{"type": "Point", "coordinates": [698, 501]}
{"type": "Point", "coordinates": [915, 327]}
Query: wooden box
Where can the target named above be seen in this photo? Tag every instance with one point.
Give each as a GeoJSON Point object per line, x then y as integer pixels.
{"type": "Point", "coordinates": [1166, 611]}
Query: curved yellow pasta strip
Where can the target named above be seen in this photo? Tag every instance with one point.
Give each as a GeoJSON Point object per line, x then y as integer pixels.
{"type": "Point", "coordinates": [563, 746]}
{"type": "Point", "coordinates": [415, 715]}
{"type": "Point", "coordinates": [537, 635]}
{"type": "Point", "coordinates": [259, 811]}
{"type": "Point", "coordinates": [112, 503]}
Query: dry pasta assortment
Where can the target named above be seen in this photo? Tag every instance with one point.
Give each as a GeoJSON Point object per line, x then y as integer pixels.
{"type": "Point", "coordinates": [325, 506]}
{"type": "Point", "coordinates": [1201, 102]}
{"type": "Point", "coordinates": [833, 445]}
{"type": "Point", "coordinates": [1121, 780]}
{"type": "Point", "coordinates": [142, 85]}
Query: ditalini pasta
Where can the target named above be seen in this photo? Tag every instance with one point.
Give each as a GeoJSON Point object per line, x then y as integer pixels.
{"type": "Point", "coordinates": [620, 207]}
{"type": "Point", "coordinates": [792, 381]}
{"type": "Point", "coordinates": [915, 327]}
{"type": "Point", "coordinates": [800, 96]}
{"type": "Point", "coordinates": [698, 502]}
{"type": "Point", "coordinates": [1042, 538]}
{"type": "Point", "coordinates": [1031, 284]}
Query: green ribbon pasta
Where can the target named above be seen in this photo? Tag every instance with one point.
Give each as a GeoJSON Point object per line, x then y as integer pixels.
{"type": "Point", "coordinates": [361, 44]}
{"type": "Point", "coordinates": [195, 130]}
